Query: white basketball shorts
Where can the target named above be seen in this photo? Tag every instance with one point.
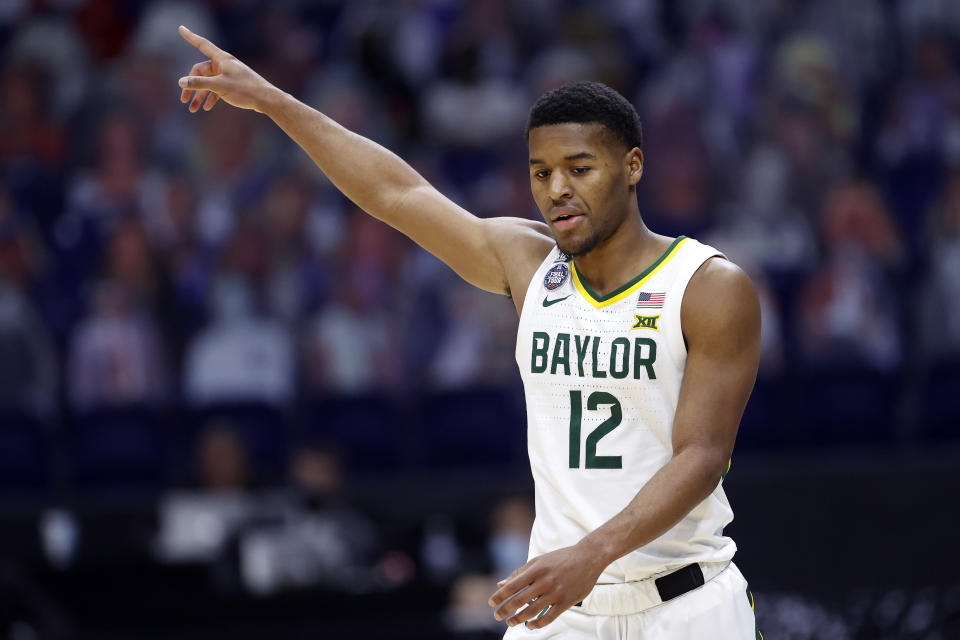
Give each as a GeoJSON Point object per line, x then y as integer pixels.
{"type": "Point", "coordinates": [721, 609]}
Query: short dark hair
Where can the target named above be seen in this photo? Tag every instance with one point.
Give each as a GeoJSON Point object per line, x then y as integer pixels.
{"type": "Point", "coordinates": [588, 102]}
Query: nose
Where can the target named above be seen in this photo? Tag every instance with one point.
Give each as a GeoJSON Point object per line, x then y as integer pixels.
{"type": "Point", "coordinates": [559, 186]}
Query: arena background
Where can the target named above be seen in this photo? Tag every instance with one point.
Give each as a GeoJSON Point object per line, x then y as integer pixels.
{"type": "Point", "coordinates": [233, 406]}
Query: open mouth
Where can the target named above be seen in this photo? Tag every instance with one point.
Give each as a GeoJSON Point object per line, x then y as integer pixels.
{"type": "Point", "coordinates": [567, 220]}
{"type": "Point", "coordinates": [565, 213]}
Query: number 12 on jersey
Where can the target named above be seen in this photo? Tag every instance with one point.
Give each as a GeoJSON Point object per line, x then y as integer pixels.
{"type": "Point", "coordinates": [594, 401]}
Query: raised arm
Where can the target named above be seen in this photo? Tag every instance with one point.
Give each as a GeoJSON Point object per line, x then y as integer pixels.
{"type": "Point", "coordinates": [498, 255]}
{"type": "Point", "coordinates": [720, 315]}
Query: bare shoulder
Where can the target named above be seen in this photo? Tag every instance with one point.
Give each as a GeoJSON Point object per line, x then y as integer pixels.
{"type": "Point", "coordinates": [720, 306]}
{"type": "Point", "coordinates": [521, 246]}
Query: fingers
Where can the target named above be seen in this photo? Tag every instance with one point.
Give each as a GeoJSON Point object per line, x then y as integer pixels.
{"type": "Point", "coordinates": [536, 611]}
{"type": "Point", "coordinates": [200, 83]}
{"type": "Point", "coordinates": [528, 609]}
{"type": "Point", "coordinates": [509, 586]}
{"type": "Point", "coordinates": [211, 100]}
{"type": "Point", "coordinates": [510, 606]}
{"type": "Point", "coordinates": [206, 47]}
{"type": "Point", "coordinates": [198, 98]}
{"type": "Point", "coordinates": [204, 68]}
{"type": "Point", "coordinates": [546, 616]}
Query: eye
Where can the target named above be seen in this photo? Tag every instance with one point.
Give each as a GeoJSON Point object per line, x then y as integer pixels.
{"type": "Point", "coordinates": [579, 171]}
{"type": "Point", "coordinates": [541, 174]}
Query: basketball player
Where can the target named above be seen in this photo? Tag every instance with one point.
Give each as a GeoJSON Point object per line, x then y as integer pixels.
{"type": "Point", "coordinates": [638, 353]}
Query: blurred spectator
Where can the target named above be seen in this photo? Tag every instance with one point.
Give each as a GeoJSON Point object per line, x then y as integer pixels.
{"type": "Point", "coordinates": [120, 184]}
{"type": "Point", "coordinates": [174, 265]}
{"type": "Point", "coordinates": [174, 227]}
{"type": "Point", "coordinates": [223, 459]}
{"type": "Point", "coordinates": [920, 106]}
{"type": "Point", "coordinates": [324, 541]}
{"type": "Point", "coordinates": [912, 143]}
{"type": "Point", "coordinates": [676, 185]}
{"type": "Point", "coordinates": [808, 75]}
{"type": "Point", "coordinates": [200, 524]}
{"type": "Point", "coordinates": [27, 134]}
{"type": "Point", "coordinates": [349, 345]}
{"type": "Point", "coordinates": [33, 146]}
{"type": "Point", "coordinates": [511, 523]}
{"type": "Point", "coordinates": [144, 249]}
{"type": "Point", "coordinates": [52, 44]}
{"type": "Point", "coordinates": [156, 31]}
{"type": "Point", "coordinates": [116, 355]}
{"type": "Point", "coordinates": [850, 307]}
{"type": "Point", "coordinates": [476, 349]}
{"type": "Point", "coordinates": [211, 235]}
{"type": "Point", "coordinates": [28, 359]}
{"type": "Point", "coordinates": [468, 614]}
{"type": "Point", "coordinates": [240, 355]}
{"type": "Point", "coordinates": [144, 80]}
{"type": "Point", "coordinates": [297, 279]}
{"type": "Point", "coordinates": [28, 366]}
{"type": "Point", "coordinates": [130, 263]}
{"type": "Point", "coordinates": [814, 161]}
{"type": "Point", "coordinates": [740, 249]}
{"type": "Point", "coordinates": [230, 176]}
{"type": "Point", "coordinates": [243, 353]}
{"type": "Point", "coordinates": [729, 61]}
{"type": "Point", "coordinates": [777, 234]}
{"type": "Point", "coordinates": [497, 108]}
{"type": "Point", "coordinates": [940, 302]}
{"type": "Point", "coordinates": [317, 472]}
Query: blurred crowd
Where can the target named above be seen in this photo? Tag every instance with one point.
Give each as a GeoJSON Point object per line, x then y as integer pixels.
{"type": "Point", "coordinates": [158, 266]}
{"type": "Point", "coordinates": [154, 258]}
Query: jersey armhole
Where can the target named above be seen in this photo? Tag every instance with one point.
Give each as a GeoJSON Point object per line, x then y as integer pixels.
{"type": "Point", "coordinates": [554, 256]}
{"type": "Point", "coordinates": [681, 283]}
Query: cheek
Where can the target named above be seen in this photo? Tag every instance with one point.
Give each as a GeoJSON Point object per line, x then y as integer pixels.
{"type": "Point", "coordinates": [618, 188]}
{"type": "Point", "coordinates": [600, 192]}
{"type": "Point", "coordinates": [540, 196]}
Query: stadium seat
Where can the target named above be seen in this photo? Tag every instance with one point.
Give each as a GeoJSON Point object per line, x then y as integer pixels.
{"type": "Point", "coordinates": [372, 430]}
{"type": "Point", "coordinates": [762, 425]}
{"type": "Point", "coordinates": [940, 408]}
{"type": "Point", "coordinates": [25, 452]}
{"type": "Point", "coordinates": [119, 447]}
{"type": "Point", "coordinates": [854, 406]}
{"type": "Point", "coordinates": [475, 428]}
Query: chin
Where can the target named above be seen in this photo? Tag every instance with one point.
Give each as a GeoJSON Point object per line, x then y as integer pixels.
{"type": "Point", "coordinates": [575, 247]}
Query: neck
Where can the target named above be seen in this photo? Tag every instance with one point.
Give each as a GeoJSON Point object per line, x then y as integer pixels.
{"type": "Point", "coordinates": [618, 259]}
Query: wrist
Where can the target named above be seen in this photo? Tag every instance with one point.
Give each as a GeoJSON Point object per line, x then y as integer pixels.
{"type": "Point", "coordinates": [597, 551]}
{"type": "Point", "coordinates": [272, 102]}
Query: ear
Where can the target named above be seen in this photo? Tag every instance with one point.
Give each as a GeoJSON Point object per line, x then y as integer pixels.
{"type": "Point", "coordinates": [634, 165]}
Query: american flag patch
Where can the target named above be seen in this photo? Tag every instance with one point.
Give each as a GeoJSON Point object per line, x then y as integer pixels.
{"type": "Point", "coordinates": [647, 300]}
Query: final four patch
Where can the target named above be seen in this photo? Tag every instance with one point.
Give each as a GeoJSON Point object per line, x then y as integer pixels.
{"type": "Point", "coordinates": [556, 276]}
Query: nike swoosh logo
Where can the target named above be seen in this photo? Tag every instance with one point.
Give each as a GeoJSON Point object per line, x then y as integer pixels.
{"type": "Point", "coordinates": [547, 303]}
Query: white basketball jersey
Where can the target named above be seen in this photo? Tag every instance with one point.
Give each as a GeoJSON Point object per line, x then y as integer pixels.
{"type": "Point", "coordinates": [602, 378]}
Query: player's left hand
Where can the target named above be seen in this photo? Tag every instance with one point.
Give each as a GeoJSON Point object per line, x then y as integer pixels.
{"type": "Point", "coordinates": [554, 581]}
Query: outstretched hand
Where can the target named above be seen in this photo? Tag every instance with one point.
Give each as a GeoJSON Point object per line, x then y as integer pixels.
{"type": "Point", "coordinates": [549, 584]}
{"type": "Point", "coordinates": [222, 76]}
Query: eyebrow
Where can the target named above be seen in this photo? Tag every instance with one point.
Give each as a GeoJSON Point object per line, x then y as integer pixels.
{"type": "Point", "coordinates": [583, 155]}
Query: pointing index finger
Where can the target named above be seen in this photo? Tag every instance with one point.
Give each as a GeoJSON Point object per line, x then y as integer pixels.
{"type": "Point", "coordinates": [206, 47]}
